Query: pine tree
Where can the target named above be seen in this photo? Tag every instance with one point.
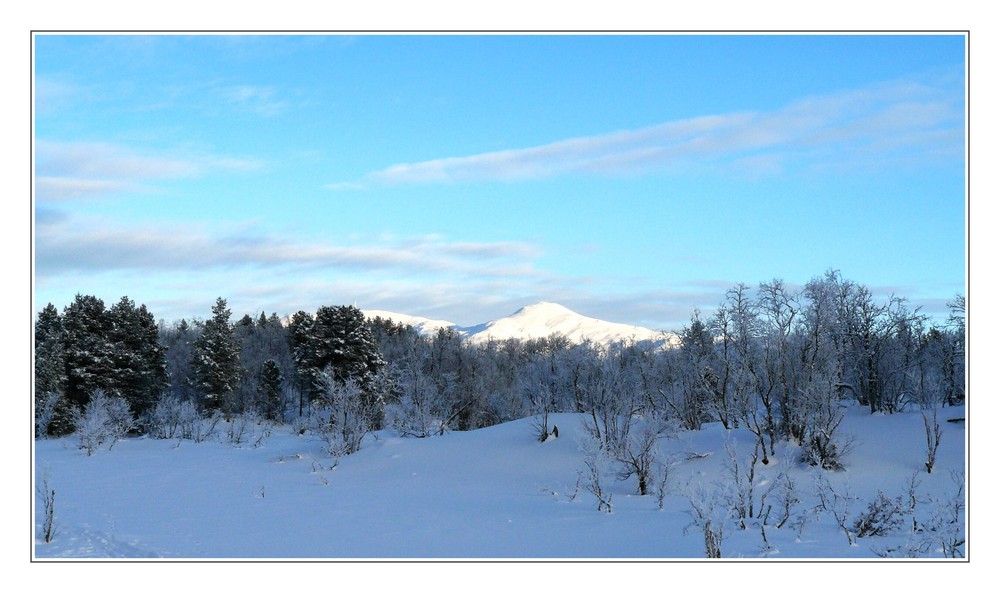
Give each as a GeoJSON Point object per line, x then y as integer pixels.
{"type": "Point", "coordinates": [52, 412]}
{"type": "Point", "coordinates": [300, 343]}
{"type": "Point", "coordinates": [89, 350]}
{"type": "Point", "coordinates": [216, 359]}
{"type": "Point", "coordinates": [50, 363]}
{"type": "Point", "coordinates": [270, 385]}
{"type": "Point", "coordinates": [347, 351]}
{"type": "Point", "coordinates": [140, 372]}
{"type": "Point", "coordinates": [344, 342]}
{"type": "Point", "coordinates": [337, 343]}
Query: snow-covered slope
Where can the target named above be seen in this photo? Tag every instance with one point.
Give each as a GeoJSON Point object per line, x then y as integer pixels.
{"type": "Point", "coordinates": [536, 321]}
{"type": "Point", "coordinates": [491, 493]}
{"type": "Point", "coordinates": [544, 319]}
{"type": "Point", "coordinates": [423, 325]}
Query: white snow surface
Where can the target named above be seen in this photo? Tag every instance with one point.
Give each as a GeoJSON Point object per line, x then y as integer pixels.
{"type": "Point", "coordinates": [494, 493]}
{"type": "Point", "coordinates": [423, 325]}
{"type": "Point", "coordinates": [535, 321]}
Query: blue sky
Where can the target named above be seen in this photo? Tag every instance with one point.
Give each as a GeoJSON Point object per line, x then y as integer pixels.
{"type": "Point", "coordinates": [631, 178]}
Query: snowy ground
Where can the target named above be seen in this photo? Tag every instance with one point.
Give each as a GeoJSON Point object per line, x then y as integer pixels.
{"type": "Point", "coordinates": [491, 493]}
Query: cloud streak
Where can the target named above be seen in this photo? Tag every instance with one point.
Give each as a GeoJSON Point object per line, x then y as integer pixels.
{"type": "Point", "coordinates": [69, 170]}
{"type": "Point", "coordinates": [916, 119]}
{"type": "Point", "coordinates": [65, 245]}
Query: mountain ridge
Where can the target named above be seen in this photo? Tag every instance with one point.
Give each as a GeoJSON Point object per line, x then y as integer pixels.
{"type": "Point", "coordinates": [538, 320]}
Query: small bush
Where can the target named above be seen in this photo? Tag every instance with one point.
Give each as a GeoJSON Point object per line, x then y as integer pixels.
{"type": "Point", "coordinates": [48, 496]}
{"type": "Point", "coordinates": [882, 517]}
{"type": "Point", "coordinates": [103, 420]}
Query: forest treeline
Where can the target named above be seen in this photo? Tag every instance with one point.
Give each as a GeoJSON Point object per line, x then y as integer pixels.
{"type": "Point", "coordinates": [777, 361]}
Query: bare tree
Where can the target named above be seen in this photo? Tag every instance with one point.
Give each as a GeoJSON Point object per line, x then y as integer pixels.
{"type": "Point", "coordinates": [821, 415]}
{"type": "Point", "coordinates": [837, 504]}
{"type": "Point", "coordinates": [743, 482]}
{"type": "Point", "coordinates": [103, 420]}
{"type": "Point", "coordinates": [343, 418]}
{"type": "Point", "coordinates": [48, 496]}
{"type": "Point", "coordinates": [596, 462]}
{"type": "Point", "coordinates": [709, 518]}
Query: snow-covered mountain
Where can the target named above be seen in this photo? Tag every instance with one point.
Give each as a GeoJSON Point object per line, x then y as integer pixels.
{"type": "Point", "coordinates": [535, 321]}
{"type": "Point", "coordinates": [423, 325]}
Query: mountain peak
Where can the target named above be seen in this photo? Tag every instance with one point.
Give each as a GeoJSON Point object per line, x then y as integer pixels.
{"type": "Point", "coordinates": [538, 320]}
{"type": "Point", "coordinates": [544, 308]}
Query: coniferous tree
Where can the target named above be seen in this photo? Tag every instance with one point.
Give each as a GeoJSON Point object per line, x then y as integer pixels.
{"type": "Point", "coordinates": [259, 342]}
{"type": "Point", "coordinates": [270, 386]}
{"type": "Point", "coordinates": [89, 350]}
{"type": "Point", "coordinates": [300, 345]}
{"type": "Point", "coordinates": [343, 341]}
{"type": "Point", "coordinates": [52, 412]}
{"type": "Point", "coordinates": [216, 359]}
{"type": "Point", "coordinates": [50, 364]}
{"type": "Point", "coordinates": [140, 372]}
{"type": "Point", "coordinates": [337, 344]}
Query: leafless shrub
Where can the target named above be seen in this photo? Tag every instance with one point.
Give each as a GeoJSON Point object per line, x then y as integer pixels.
{"type": "Point", "coordinates": [882, 517]}
{"type": "Point", "coordinates": [788, 497]}
{"type": "Point", "coordinates": [838, 504]}
{"type": "Point", "coordinates": [48, 497]}
{"type": "Point", "coordinates": [105, 419]}
{"type": "Point", "coordinates": [596, 466]}
{"type": "Point", "coordinates": [709, 518]}
{"type": "Point", "coordinates": [246, 427]}
{"type": "Point", "coordinates": [932, 430]}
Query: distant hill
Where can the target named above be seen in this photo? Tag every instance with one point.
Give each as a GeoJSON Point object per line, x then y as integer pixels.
{"type": "Point", "coordinates": [535, 321]}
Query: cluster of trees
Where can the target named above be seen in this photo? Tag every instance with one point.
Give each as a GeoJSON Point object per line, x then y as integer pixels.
{"type": "Point", "coordinates": [775, 360]}
{"type": "Point", "coordinates": [90, 348]}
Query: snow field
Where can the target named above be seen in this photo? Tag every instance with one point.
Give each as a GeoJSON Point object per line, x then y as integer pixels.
{"type": "Point", "coordinates": [493, 493]}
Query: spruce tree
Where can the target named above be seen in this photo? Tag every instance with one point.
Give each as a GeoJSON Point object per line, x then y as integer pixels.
{"type": "Point", "coordinates": [53, 414]}
{"type": "Point", "coordinates": [300, 342]}
{"type": "Point", "coordinates": [270, 386]}
{"type": "Point", "coordinates": [216, 359]}
{"type": "Point", "coordinates": [140, 371]}
{"type": "Point", "coordinates": [50, 363]}
{"type": "Point", "coordinates": [338, 343]}
{"type": "Point", "coordinates": [89, 350]}
{"type": "Point", "coordinates": [344, 344]}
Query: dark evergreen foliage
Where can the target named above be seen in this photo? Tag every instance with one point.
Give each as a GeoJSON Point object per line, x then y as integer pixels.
{"type": "Point", "coordinates": [778, 362]}
{"type": "Point", "coordinates": [270, 386]}
{"type": "Point", "coordinates": [92, 348]}
{"type": "Point", "coordinates": [139, 361]}
{"type": "Point", "coordinates": [216, 360]}
{"type": "Point", "coordinates": [89, 350]}
{"type": "Point", "coordinates": [50, 374]}
{"type": "Point", "coordinates": [337, 342]}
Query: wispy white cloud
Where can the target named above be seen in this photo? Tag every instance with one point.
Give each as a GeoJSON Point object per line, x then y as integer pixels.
{"type": "Point", "coordinates": [99, 160]}
{"type": "Point", "coordinates": [183, 267]}
{"type": "Point", "coordinates": [68, 188]}
{"type": "Point", "coordinates": [67, 170]}
{"type": "Point", "coordinates": [888, 122]}
{"type": "Point", "coordinates": [67, 245]}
